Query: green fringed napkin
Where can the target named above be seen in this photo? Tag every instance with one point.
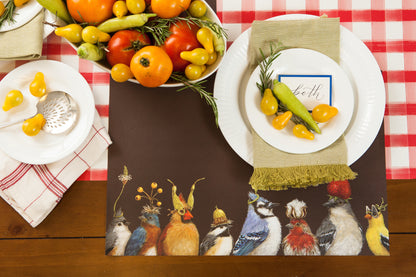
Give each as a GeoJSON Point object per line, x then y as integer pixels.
{"type": "Point", "coordinates": [278, 170]}
{"type": "Point", "coordinates": [25, 42]}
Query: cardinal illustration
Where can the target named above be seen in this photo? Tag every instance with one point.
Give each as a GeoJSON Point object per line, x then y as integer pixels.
{"type": "Point", "coordinates": [180, 236]}
{"type": "Point", "coordinates": [340, 233]}
{"type": "Point", "coordinates": [261, 233]}
{"type": "Point", "coordinates": [117, 235]}
{"type": "Point", "coordinates": [300, 241]}
{"type": "Point", "coordinates": [377, 235]}
{"type": "Point", "coordinates": [218, 241]}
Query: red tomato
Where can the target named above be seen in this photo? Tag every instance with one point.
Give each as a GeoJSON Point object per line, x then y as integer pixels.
{"type": "Point", "coordinates": [91, 11]}
{"type": "Point", "coordinates": [169, 8]}
{"type": "Point", "coordinates": [183, 38]}
{"type": "Point", "coordinates": [123, 44]}
{"type": "Point", "coordinates": [151, 66]}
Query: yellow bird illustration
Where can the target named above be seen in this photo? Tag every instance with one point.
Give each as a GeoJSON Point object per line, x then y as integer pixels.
{"type": "Point", "coordinates": [377, 234]}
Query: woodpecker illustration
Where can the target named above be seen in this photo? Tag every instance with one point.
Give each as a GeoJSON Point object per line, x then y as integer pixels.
{"type": "Point", "coordinates": [117, 235]}
{"type": "Point", "coordinates": [218, 241]}
{"type": "Point", "coordinates": [300, 241]}
{"type": "Point", "coordinates": [377, 235]}
{"type": "Point", "coordinates": [180, 236]}
{"type": "Point", "coordinates": [261, 233]}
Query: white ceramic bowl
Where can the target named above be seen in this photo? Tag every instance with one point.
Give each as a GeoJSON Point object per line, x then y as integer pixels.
{"type": "Point", "coordinates": [208, 72]}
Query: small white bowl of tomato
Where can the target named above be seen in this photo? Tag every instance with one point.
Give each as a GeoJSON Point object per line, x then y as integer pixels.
{"type": "Point", "coordinates": [151, 42]}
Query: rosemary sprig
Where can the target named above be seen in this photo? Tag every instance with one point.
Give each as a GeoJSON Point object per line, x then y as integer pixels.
{"type": "Point", "coordinates": [265, 63]}
{"type": "Point", "coordinates": [158, 28]}
{"type": "Point", "coordinates": [197, 87]}
{"type": "Point", "coordinates": [7, 15]}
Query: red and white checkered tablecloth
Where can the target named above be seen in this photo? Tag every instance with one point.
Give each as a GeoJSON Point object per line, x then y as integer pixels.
{"type": "Point", "coordinates": [56, 48]}
{"type": "Point", "coordinates": [388, 28]}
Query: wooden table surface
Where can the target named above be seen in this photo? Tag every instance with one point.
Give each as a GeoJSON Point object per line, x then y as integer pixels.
{"type": "Point", "coordinates": [70, 242]}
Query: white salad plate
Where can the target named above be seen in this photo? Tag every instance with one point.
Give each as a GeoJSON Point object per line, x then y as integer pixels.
{"type": "Point", "coordinates": [300, 61]}
{"type": "Point", "coordinates": [22, 15]}
{"type": "Point", "coordinates": [355, 59]}
{"type": "Point", "coordinates": [44, 147]}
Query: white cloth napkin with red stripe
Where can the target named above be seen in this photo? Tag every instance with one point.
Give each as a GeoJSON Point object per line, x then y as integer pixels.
{"type": "Point", "coordinates": [34, 190]}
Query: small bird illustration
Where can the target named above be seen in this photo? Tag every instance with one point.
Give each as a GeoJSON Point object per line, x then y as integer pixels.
{"type": "Point", "coordinates": [261, 233]}
{"type": "Point", "coordinates": [300, 241]}
{"type": "Point", "coordinates": [117, 235]}
{"type": "Point", "coordinates": [180, 237]}
{"type": "Point", "coordinates": [339, 233]}
{"type": "Point", "coordinates": [218, 241]}
{"type": "Point", "coordinates": [377, 234]}
{"type": "Point", "coordinates": [144, 239]}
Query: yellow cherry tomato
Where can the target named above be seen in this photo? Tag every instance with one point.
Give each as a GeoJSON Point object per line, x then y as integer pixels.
{"type": "Point", "coordinates": [19, 3]}
{"type": "Point", "coordinates": [197, 8]}
{"type": "Point", "coordinates": [38, 86]}
{"type": "Point", "coordinates": [198, 56]}
{"type": "Point", "coordinates": [324, 112]}
{"type": "Point", "coordinates": [13, 99]}
{"type": "Point", "coordinates": [204, 36]}
{"type": "Point", "coordinates": [212, 58]}
{"type": "Point", "coordinates": [92, 34]}
{"type": "Point", "coordinates": [32, 126]}
{"type": "Point", "coordinates": [121, 72]}
{"type": "Point", "coordinates": [280, 121]}
{"type": "Point", "coordinates": [120, 8]}
{"type": "Point", "coordinates": [136, 6]}
{"type": "Point", "coordinates": [193, 71]}
{"type": "Point", "coordinates": [301, 131]}
{"type": "Point", "coordinates": [268, 104]}
{"type": "Point", "coordinates": [72, 32]}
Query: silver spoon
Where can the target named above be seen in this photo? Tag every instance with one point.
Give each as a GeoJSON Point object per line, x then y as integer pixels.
{"type": "Point", "coordinates": [59, 110]}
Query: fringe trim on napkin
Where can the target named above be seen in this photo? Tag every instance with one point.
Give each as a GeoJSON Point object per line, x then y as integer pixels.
{"type": "Point", "coordinates": [299, 177]}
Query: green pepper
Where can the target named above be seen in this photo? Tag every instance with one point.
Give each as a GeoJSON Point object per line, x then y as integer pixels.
{"type": "Point", "coordinates": [130, 21]}
{"type": "Point", "coordinates": [90, 52]}
{"type": "Point", "coordinates": [286, 96]}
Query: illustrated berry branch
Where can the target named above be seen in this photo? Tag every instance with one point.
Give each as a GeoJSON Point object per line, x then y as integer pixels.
{"type": "Point", "coordinates": [150, 196]}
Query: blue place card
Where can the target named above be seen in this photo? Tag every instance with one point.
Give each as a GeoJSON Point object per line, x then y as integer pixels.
{"type": "Point", "coordinates": [311, 90]}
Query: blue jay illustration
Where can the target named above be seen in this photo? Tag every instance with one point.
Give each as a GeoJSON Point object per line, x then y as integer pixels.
{"type": "Point", "coordinates": [262, 232]}
{"type": "Point", "coordinates": [144, 239]}
{"type": "Point", "coordinates": [340, 233]}
{"type": "Point", "coordinates": [117, 235]}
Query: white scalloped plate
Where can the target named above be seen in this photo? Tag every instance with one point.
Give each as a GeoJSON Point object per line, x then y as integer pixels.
{"type": "Point", "coordinates": [355, 59]}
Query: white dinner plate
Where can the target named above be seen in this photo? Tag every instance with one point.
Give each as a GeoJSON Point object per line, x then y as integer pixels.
{"type": "Point", "coordinates": [300, 61]}
{"type": "Point", "coordinates": [44, 148]}
{"type": "Point", "coordinates": [22, 15]}
{"type": "Point", "coordinates": [355, 59]}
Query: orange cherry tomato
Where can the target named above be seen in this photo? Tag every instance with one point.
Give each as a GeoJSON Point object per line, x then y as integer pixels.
{"type": "Point", "coordinates": [301, 131]}
{"type": "Point", "coordinates": [91, 11]}
{"type": "Point", "coordinates": [280, 121]}
{"type": "Point", "coordinates": [169, 8]}
{"type": "Point", "coordinates": [324, 112]}
{"type": "Point", "coordinates": [151, 66]}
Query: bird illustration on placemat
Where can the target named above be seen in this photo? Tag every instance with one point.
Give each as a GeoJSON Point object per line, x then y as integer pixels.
{"type": "Point", "coordinates": [117, 235]}
{"type": "Point", "coordinates": [300, 241]}
{"type": "Point", "coordinates": [261, 233]}
{"type": "Point", "coordinates": [143, 241]}
{"type": "Point", "coordinates": [340, 233]}
{"type": "Point", "coordinates": [180, 237]}
{"type": "Point", "coordinates": [218, 241]}
{"type": "Point", "coordinates": [377, 234]}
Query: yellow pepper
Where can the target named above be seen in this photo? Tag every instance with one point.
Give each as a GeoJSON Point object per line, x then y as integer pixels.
{"type": "Point", "coordinates": [32, 126]}
{"type": "Point", "coordinates": [280, 121]}
{"type": "Point", "coordinates": [301, 131]}
{"type": "Point", "coordinates": [198, 56]}
{"type": "Point", "coordinates": [268, 104]}
{"type": "Point", "coordinates": [13, 99]}
{"type": "Point", "coordinates": [38, 86]}
{"type": "Point", "coordinates": [205, 37]}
